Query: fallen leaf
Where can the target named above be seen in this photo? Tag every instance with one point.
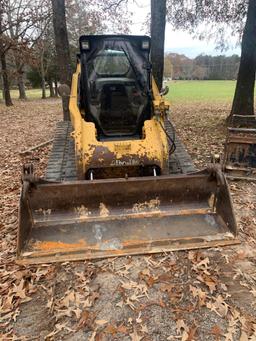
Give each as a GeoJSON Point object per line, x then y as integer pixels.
{"type": "Point", "coordinates": [69, 297]}
{"type": "Point", "coordinates": [223, 287]}
{"type": "Point", "coordinates": [202, 266]}
{"type": "Point", "coordinates": [144, 329]}
{"type": "Point", "coordinates": [146, 272]}
{"type": "Point", "coordinates": [57, 328]}
{"type": "Point", "coordinates": [181, 326]}
{"type": "Point", "coordinates": [92, 338]}
{"type": "Point", "coordinates": [19, 290]}
{"type": "Point", "coordinates": [219, 306]}
{"type": "Point", "coordinates": [216, 331]}
{"type": "Point", "coordinates": [243, 336]}
{"type": "Point", "coordinates": [130, 303]}
{"type": "Point", "coordinates": [122, 329]}
{"type": "Point", "coordinates": [230, 332]}
{"type": "Point", "coordinates": [211, 282]}
{"type": "Point", "coordinates": [135, 336]}
{"type": "Point", "coordinates": [192, 333]}
{"type": "Point", "coordinates": [87, 319]}
{"type": "Point", "coordinates": [101, 322]}
{"type": "Point", "coordinates": [138, 319]}
{"type": "Point", "coordinates": [120, 304]}
{"type": "Point", "coordinates": [184, 336]}
{"type": "Point", "coordinates": [110, 329]}
{"type": "Point", "coordinates": [199, 294]}
{"type": "Point", "coordinates": [253, 291]}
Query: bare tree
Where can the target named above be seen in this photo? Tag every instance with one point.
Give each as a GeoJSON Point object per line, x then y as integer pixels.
{"type": "Point", "coordinates": [219, 18]}
{"type": "Point", "coordinates": [61, 41]}
{"type": "Point", "coordinates": [211, 19]}
{"type": "Point", "coordinates": [3, 49]}
{"type": "Point", "coordinates": [19, 32]}
{"type": "Point", "coordinates": [15, 12]}
{"type": "Point", "coordinates": [243, 103]}
{"type": "Point", "coordinates": [83, 17]}
{"type": "Point", "coordinates": [62, 48]}
{"type": "Point", "coordinates": [6, 84]}
{"type": "Point", "coordinates": [158, 21]}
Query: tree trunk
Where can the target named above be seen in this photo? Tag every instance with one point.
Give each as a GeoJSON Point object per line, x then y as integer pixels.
{"type": "Point", "coordinates": [42, 76]}
{"type": "Point", "coordinates": [21, 85]}
{"type": "Point", "coordinates": [56, 87]}
{"type": "Point", "coordinates": [52, 94]}
{"type": "Point", "coordinates": [43, 89]}
{"type": "Point", "coordinates": [62, 49]}
{"type": "Point", "coordinates": [19, 65]}
{"type": "Point", "coordinates": [243, 103]}
{"type": "Point", "coordinates": [6, 85]}
{"type": "Point", "coordinates": [158, 21]}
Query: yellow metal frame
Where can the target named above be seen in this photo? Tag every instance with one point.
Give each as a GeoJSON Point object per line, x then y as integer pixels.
{"type": "Point", "coordinates": [152, 149]}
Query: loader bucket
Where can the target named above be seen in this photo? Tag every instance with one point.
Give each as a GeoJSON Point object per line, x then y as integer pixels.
{"type": "Point", "coordinates": [103, 218]}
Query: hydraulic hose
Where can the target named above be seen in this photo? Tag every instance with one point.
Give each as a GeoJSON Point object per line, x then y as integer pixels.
{"type": "Point", "coordinates": [171, 139]}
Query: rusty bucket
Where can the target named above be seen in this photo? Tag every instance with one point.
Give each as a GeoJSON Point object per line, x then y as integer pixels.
{"type": "Point", "coordinates": [103, 218]}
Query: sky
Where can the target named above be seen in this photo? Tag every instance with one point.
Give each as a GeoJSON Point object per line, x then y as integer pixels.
{"type": "Point", "coordinates": [175, 41]}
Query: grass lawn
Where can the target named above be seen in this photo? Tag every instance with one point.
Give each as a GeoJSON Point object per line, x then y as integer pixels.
{"type": "Point", "coordinates": [180, 91]}
{"type": "Point", "coordinates": [31, 94]}
{"type": "Point", "coordinates": [203, 91]}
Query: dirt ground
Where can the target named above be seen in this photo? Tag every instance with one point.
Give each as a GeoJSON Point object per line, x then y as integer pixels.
{"type": "Point", "coordinates": [188, 295]}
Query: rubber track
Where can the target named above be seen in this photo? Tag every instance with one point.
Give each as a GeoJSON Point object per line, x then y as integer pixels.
{"type": "Point", "coordinates": [180, 161]}
{"type": "Point", "coordinates": [62, 165]}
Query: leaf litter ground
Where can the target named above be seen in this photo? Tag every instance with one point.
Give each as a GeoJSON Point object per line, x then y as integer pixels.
{"type": "Point", "coordinates": [187, 295]}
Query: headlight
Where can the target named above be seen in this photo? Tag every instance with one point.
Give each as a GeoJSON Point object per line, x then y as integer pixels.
{"type": "Point", "coordinates": [85, 44]}
{"type": "Point", "coordinates": [145, 45]}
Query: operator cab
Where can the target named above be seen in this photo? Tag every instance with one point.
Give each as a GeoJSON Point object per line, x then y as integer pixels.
{"type": "Point", "coordinates": [115, 84]}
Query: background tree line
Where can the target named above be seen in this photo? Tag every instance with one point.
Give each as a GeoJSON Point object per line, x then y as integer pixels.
{"type": "Point", "coordinates": [203, 67]}
{"type": "Point", "coordinates": [27, 39]}
{"type": "Point", "coordinates": [26, 28]}
{"type": "Point", "coordinates": [219, 20]}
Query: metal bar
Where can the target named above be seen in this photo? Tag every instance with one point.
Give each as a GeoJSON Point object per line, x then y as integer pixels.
{"type": "Point", "coordinates": [42, 220]}
{"type": "Point", "coordinates": [91, 175]}
{"type": "Point", "coordinates": [40, 145]}
{"type": "Point", "coordinates": [245, 116]}
{"type": "Point", "coordinates": [40, 258]}
{"type": "Point", "coordinates": [242, 130]}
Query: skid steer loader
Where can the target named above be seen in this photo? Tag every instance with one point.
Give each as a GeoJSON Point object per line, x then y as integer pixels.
{"type": "Point", "coordinates": [119, 182]}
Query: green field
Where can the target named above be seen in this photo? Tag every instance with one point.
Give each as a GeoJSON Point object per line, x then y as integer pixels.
{"type": "Point", "coordinates": [203, 91]}
{"type": "Point", "coordinates": [32, 93]}
{"type": "Point", "coordinates": [180, 91]}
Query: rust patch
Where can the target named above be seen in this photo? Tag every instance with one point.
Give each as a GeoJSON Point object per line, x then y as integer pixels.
{"type": "Point", "coordinates": [103, 157]}
{"type": "Point", "coordinates": [82, 211]}
{"type": "Point", "coordinates": [48, 246]}
{"type": "Point", "coordinates": [152, 204]}
{"type": "Point", "coordinates": [104, 212]}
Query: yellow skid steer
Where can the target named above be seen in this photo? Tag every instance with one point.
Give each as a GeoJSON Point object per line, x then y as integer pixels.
{"type": "Point", "coordinates": [119, 181]}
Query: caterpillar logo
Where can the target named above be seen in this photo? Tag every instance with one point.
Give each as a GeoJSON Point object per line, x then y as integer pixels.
{"type": "Point", "coordinates": [125, 163]}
